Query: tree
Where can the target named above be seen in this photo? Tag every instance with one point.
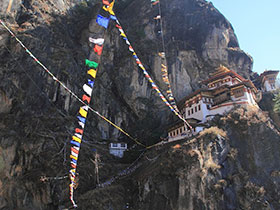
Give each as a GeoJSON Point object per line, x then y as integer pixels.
{"type": "Point", "coordinates": [276, 99]}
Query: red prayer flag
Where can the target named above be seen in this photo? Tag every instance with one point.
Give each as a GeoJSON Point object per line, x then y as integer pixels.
{"type": "Point", "coordinates": [86, 98]}
{"type": "Point", "coordinates": [118, 26]}
{"type": "Point", "coordinates": [106, 2]}
{"type": "Point", "coordinates": [78, 130]}
{"type": "Point", "coordinates": [98, 49]}
{"type": "Point", "coordinates": [155, 3]}
{"type": "Point", "coordinates": [74, 150]}
{"type": "Point", "coordinates": [73, 166]}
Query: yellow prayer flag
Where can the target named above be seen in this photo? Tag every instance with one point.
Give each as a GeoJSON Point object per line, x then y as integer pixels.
{"type": "Point", "coordinates": [75, 138]}
{"type": "Point", "coordinates": [73, 157]}
{"type": "Point", "coordinates": [92, 72]}
{"type": "Point", "coordinates": [83, 112]}
{"type": "Point", "coordinates": [122, 34]}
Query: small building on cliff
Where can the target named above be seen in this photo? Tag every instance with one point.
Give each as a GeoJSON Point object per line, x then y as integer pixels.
{"type": "Point", "coordinates": [117, 149]}
{"type": "Point", "coordinates": [266, 82]}
{"type": "Point", "coordinates": [222, 91]}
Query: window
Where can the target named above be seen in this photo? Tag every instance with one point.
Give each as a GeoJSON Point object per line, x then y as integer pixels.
{"type": "Point", "coordinates": [208, 106]}
{"type": "Point", "coordinates": [181, 130]}
{"type": "Point", "coordinates": [192, 111]}
{"type": "Point", "coordinates": [122, 145]}
{"type": "Point", "coordinates": [114, 145]}
{"type": "Point", "coordinates": [199, 108]}
{"type": "Point", "coordinates": [238, 92]}
{"type": "Point", "coordinates": [195, 109]}
{"type": "Point", "coordinates": [189, 112]}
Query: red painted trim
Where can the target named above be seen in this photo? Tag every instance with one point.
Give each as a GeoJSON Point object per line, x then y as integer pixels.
{"type": "Point", "coordinates": [228, 104]}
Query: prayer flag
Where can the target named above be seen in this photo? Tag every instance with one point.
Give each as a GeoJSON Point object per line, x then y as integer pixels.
{"type": "Point", "coordinates": [78, 135]}
{"type": "Point", "coordinates": [78, 130]}
{"type": "Point", "coordinates": [122, 34]}
{"type": "Point", "coordinates": [156, 2]}
{"type": "Point", "coordinates": [83, 120]}
{"type": "Point", "coordinates": [91, 64]}
{"type": "Point", "coordinates": [83, 112]}
{"type": "Point", "coordinates": [86, 98]}
{"type": "Point", "coordinates": [92, 72]}
{"type": "Point", "coordinates": [74, 154]}
{"type": "Point", "coordinates": [90, 82]}
{"type": "Point", "coordinates": [102, 21]}
{"type": "Point", "coordinates": [113, 17]}
{"type": "Point", "coordinates": [118, 26]}
{"type": "Point", "coordinates": [75, 138]}
{"type": "Point", "coordinates": [98, 49]}
{"type": "Point", "coordinates": [82, 124]}
{"type": "Point", "coordinates": [87, 89]}
{"type": "Point", "coordinates": [157, 17]}
{"type": "Point", "coordinates": [106, 2]}
{"type": "Point", "coordinates": [75, 143]}
{"type": "Point", "coordinates": [99, 41]}
{"type": "Point", "coordinates": [74, 150]}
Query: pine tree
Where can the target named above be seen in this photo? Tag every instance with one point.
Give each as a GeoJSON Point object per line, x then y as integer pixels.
{"type": "Point", "coordinates": [277, 102]}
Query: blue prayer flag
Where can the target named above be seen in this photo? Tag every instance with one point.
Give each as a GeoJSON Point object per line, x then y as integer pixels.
{"type": "Point", "coordinates": [113, 17]}
{"type": "Point", "coordinates": [102, 21]}
{"type": "Point", "coordinates": [90, 82]}
{"type": "Point", "coordinates": [75, 143]}
{"type": "Point", "coordinates": [83, 120]}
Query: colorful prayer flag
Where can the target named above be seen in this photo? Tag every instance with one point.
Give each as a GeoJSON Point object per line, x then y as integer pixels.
{"type": "Point", "coordinates": [81, 119]}
{"type": "Point", "coordinates": [90, 83]}
{"type": "Point", "coordinates": [106, 2]}
{"type": "Point", "coordinates": [102, 21]}
{"type": "Point", "coordinates": [98, 49]}
{"type": "Point", "coordinates": [87, 89]}
{"type": "Point", "coordinates": [99, 41]}
{"type": "Point", "coordinates": [83, 112]}
{"type": "Point", "coordinates": [92, 72]}
{"type": "Point", "coordinates": [86, 98]}
{"type": "Point", "coordinates": [91, 64]}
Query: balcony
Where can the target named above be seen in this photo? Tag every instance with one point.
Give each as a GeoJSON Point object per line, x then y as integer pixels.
{"type": "Point", "coordinates": [221, 99]}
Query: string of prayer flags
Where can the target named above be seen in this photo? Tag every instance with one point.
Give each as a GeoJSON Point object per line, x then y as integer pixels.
{"type": "Point", "coordinates": [154, 86]}
{"type": "Point", "coordinates": [83, 112]}
{"type": "Point", "coordinates": [164, 69]}
{"type": "Point", "coordinates": [91, 64]}
{"type": "Point", "coordinates": [102, 21]}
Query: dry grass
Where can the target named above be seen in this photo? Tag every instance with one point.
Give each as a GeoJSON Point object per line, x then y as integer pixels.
{"type": "Point", "coordinates": [213, 130]}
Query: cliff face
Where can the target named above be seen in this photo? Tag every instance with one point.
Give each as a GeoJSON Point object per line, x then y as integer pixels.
{"type": "Point", "coordinates": [231, 165]}
{"type": "Point", "coordinates": [225, 167]}
{"type": "Point", "coordinates": [37, 116]}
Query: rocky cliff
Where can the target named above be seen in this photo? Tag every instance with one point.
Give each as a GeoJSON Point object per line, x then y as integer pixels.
{"type": "Point", "coordinates": [37, 116]}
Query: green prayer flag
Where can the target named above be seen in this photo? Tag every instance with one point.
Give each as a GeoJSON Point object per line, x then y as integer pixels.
{"type": "Point", "coordinates": [91, 64]}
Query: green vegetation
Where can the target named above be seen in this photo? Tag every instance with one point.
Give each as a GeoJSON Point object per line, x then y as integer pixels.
{"type": "Point", "coordinates": [276, 99]}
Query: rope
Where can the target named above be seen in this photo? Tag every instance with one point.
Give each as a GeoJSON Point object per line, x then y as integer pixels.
{"type": "Point", "coordinates": [154, 86]}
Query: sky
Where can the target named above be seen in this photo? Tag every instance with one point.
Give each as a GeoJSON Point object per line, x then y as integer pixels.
{"type": "Point", "coordinates": [257, 26]}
